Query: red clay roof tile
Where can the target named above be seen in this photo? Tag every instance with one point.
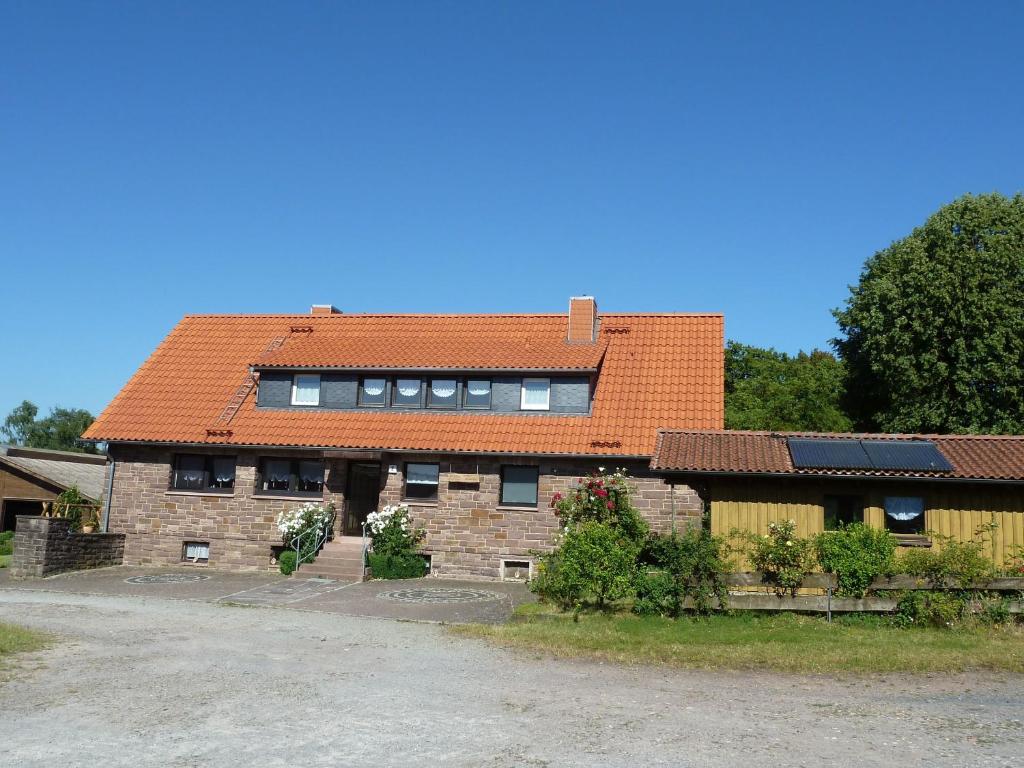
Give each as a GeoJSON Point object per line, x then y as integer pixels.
{"type": "Point", "coordinates": [655, 371]}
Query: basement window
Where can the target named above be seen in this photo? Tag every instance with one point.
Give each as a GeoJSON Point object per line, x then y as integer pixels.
{"type": "Point", "coordinates": [515, 570]}
{"type": "Point", "coordinates": [195, 552]}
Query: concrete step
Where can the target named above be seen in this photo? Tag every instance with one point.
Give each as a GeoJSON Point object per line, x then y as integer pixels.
{"type": "Point", "coordinates": [329, 573]}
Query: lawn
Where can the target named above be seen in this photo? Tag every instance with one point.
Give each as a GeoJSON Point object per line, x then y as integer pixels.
{"type": "Point", "coordinates": [15, 639]}
{"type": "Point", "coordinates": [780, 642]}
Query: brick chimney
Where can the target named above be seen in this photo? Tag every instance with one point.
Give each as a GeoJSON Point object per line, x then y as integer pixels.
{"type": "Point", "coordinates": [324, 309]}
{"type": "Point", "coordinates": [582, 320]}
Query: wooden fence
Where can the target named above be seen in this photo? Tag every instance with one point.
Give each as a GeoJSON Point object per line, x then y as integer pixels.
{"type": "Point", "coordinates": [829, 603]}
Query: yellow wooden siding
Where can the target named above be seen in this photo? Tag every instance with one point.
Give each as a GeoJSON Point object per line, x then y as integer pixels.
{"type": "Point", "coordinates": [950, 510]}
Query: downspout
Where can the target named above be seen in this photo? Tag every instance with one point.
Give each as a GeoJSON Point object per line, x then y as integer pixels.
{"type": "Point", "coordinates": [105, 527]}
{"type": "Point", "coordinates": [672, 502]}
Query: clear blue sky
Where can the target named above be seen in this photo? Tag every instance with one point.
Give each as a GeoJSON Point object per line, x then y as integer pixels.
{"type": "Point", "coordinates": [158, 159]}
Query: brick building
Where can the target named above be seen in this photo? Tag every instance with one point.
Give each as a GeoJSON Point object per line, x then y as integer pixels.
{"type": "Point", "coordinates": [472, 420]}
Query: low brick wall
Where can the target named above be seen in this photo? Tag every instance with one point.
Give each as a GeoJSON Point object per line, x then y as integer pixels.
{"type": "Point", "coordinates": [46, 545]}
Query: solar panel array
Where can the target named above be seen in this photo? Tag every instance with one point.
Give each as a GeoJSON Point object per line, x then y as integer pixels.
{"type": "Point", "coordinates": [828, 453]}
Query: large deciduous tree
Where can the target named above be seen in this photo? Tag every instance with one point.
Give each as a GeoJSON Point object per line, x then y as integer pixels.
{"type": "Point", "coordinates": [766, 389]}
{"type": "Point", "coordinates": [58, 431]}
{"type": "Point", "coordinates": [933, 334]}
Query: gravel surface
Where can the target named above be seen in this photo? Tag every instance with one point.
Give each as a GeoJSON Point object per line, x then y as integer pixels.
{"type": "Point", "coordinates": [137, 681]}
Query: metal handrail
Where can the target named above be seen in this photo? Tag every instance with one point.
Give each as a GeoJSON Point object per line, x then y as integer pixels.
{"type": "Point", "coordinates": [319, 535]}
{"type": "Point", "coordinates": [366, 545]}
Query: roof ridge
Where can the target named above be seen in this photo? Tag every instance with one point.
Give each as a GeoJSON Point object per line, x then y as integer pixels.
{"type": "Point", "coordinates": [349, 315]}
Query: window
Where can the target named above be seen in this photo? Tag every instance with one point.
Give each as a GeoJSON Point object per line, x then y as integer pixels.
{"type": "Point", "coordinates": [195, 552]}
{"type": "Point", "coordinates": [406, 393]}
{"type": "Point", "coordinates": [197, 472]}
{"type": "Point", "coordinates": [371, 393]}
{"type": "Point", "coordinates": [519, 486]}
{"type": "Point", "coordinates": [904, 514]}
{"type": "Point", "coordinates": [477, 394]}
{"type": "Point", "coordinates": [843, 510]}
{"type": "Point", "coordinates": [421, 481]}
{"type": "Point", "coordinates": [306, 389]}
{"type": "Point", "coordinates": [442, 393]}
{"type": "Point", "coordinates": [536, 394]}
{"type": "Point", "coordinates": [293, 476]}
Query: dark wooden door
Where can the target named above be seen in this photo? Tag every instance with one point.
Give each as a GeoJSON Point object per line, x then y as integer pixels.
{"type": "Point", "coordinates": [362, 493]}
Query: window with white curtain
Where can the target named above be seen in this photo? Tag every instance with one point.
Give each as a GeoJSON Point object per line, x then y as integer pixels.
{"type": "Point", "coordinates": [406, 393]}
{"type": "Point", "coordinates": [904, 514]}
{"type": "Point", "coordinates": [477, 394]}
{"type": "Point", "coordinates": [196, 551]}
{"type": "Point", "coordinates": [306, 389]}
{"type": "Point", "coordinates": [421, 481]}
{"type": "Point", "coordinates": [372, 393]}
{"type": "Point", "coordinates": [200, 472]}
{"type": "Point", "coordinates": [536, 395]}
{"type": "Point", "coordinates": [442, 393]}
{"type": "Point", "coordinates": [298, 477]}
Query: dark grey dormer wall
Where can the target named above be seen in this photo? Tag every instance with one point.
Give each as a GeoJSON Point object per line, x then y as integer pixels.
{"type": "Point", "coordinates": [339, 391]}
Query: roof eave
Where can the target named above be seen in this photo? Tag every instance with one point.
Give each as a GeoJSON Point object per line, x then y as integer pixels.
{"type": "Point", "coordinates": [828, 476]}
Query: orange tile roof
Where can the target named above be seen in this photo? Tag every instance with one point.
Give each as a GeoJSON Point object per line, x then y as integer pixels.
{"type": "Point", "coordinates": [662, 370]}
{"type": "Point", "coordinates": [435, 342]}
{"type": "Point", "coordinates": [974, 457]}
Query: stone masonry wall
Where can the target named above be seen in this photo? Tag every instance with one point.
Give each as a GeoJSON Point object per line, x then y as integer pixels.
{"type": "Point", "coordinates": [46, 545]}
{"type": "Point", "coordinates": [468, 532]}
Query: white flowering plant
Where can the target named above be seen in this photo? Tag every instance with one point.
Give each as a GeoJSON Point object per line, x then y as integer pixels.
{"type": "Point", "coordinates": [312, 515]}
{"type": "Point", "coordinates": [392, 531]}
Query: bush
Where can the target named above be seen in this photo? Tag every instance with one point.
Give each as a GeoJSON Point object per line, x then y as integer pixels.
{"type": "Point", "coordinates": [857, 554]}
{"type": "Point", "coordinates": [69, 505]}
{"type": "Point", "coordinates": [306, 522]}
{"type": "Point", "coordinates": [400, 566]}
{"type": "Point", "coordinates": [602, 498]}
{"type": "Point", "coordinates": [925, 608]}
{"type": "Point", "coordinates": [781, 556]}
{"type": "Point", "coordinates": [958, 562]}
{"type": "Point", "coordinates": [286, 562]}
{"type": "Point", "coordinates": [7, 543]}
{"type": "Point", "coordinates": [692, 566]}
{"type": "Point", "coordinates": [595, 561]}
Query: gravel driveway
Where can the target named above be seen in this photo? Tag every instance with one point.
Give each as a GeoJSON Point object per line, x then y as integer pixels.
{"type": "Point", "coordinates": [138, 681]}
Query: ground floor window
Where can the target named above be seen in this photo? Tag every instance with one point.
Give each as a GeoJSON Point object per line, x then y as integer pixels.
{"type": "Point", "coordinates": [421, 481]}
{"type": "Point", "coordinates": [294, 476]}
{"type": "Point", "coordinates": [519, 486]}
{"type": "Point", "coordinates": [200, 472]}
{"type": "Point", "coordinates": [843, 510]}
{"type": "Point", "coordinates": [904, 514]}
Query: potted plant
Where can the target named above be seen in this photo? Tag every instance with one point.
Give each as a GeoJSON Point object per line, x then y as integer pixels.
{"type": "Point", "coordinates": [90, 522]}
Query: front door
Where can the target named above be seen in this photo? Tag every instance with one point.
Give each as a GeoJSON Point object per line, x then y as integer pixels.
{"type": "Point", "coordinates": [362, 492]}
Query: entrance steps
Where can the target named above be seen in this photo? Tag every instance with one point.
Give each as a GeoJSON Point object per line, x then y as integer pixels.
{"type": "Point", "coordinates": [340, 559]}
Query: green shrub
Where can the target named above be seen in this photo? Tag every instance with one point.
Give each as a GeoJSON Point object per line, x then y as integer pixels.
{"type": "Point", "coordinates": [995, 610]}
{"type": "Point", "coordinates": [958, 562]}
{"type": "Point", "coordinates": [6, 543]}
{"type": "Point", "coordinates": [286, 562]}
{"type": "Point", "coordinates": [69, 504]}
{"type": "Point", "coordinates": [924, 608]}
{"type": "Point", "coordinates": [594, 562]}
{"type": "Point", "coordinates": [400, 566]}
{"type": "Point", "coordinates": [781, 556]}
{"type": "Point", "coordinates": [857, 554]}
{"type": "Point", "coordinates": [692, 565]}
{"type": "Point", "coordinates": [392, 531]}
{"type": "Point", "coordinates": [602, 498]}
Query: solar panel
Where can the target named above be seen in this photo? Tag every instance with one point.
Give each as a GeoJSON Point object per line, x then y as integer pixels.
{"type": "Point", "coordinates": [919, 455]}
{"type": "Point", "coordinates": [808, 453]}
{"type": "Point", "coordinates": [829, 453]}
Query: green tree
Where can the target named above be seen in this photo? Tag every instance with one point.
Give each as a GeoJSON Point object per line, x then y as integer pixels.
{"type": "Point", "coordinates": [933, 334]}
{"type": "Point", "coordinates": [58, 431]}
{"type": "Point", "coordinates": [766, 389]}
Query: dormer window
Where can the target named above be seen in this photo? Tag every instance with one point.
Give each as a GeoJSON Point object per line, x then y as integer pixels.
{"type": "Point", "coordinates": [407, 393]}
{"type": "Point", "coordinates": [478, 394]}
{"type": "Point", "coordinates": [536, 395]}
{"type": "Point", "coordinates": [306, 389]}
{"type": "Point", "coordinates": [442, 393]}
{"type": "Point", "coordinates": [371, 393]}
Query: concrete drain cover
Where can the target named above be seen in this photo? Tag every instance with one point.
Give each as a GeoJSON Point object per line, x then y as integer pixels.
{"type": "Point", "coordinates": [166, 578]}
{"type": "Point", "coordinates": [441, 595]}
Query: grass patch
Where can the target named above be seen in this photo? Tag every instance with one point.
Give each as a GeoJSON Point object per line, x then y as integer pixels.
{"type": "Point", "coordinates": [5, 560]}
{"type": "Point", "coordinates": [779, 642]}
{"type": "Point", "coordinates": [15, 639]}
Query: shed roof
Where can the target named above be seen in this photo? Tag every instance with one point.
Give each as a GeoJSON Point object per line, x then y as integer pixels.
{"type": "Point", "coordinates": [61, 468]}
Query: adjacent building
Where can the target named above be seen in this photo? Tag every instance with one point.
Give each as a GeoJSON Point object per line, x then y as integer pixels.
{"type": "Point", "coordinates": [473, 420]}
{"type": "Point", "coordinates": [32, 477]}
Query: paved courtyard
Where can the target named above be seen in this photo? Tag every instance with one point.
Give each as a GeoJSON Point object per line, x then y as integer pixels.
{"type": "Point", "coordinates": [196, 677]}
